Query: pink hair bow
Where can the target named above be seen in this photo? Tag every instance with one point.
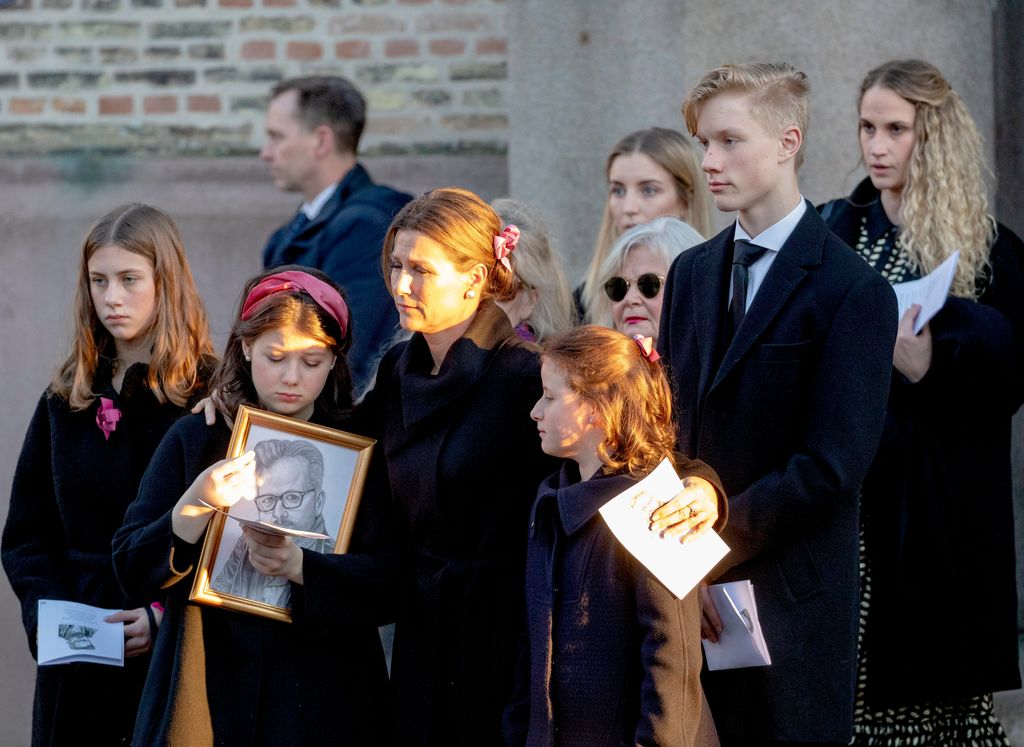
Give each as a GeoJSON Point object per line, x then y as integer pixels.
{"type": "Point", "coordinates": [646, 345]}
{"type": "Point", "coordinates": [107, 416]}
{"type": "Point", "coordinates": [505, 243]}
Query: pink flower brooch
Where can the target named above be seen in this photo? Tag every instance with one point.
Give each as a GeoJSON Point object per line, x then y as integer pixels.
{"type": "Point", "coordinates": [107, 417]}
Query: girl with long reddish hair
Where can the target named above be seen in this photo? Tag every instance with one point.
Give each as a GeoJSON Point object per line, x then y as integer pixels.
{"type": "Point", "coordinates": [614, 657]}
{"type": "Point", "coordinates": [140, 356]}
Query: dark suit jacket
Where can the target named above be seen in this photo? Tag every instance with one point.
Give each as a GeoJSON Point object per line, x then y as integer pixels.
{"type": "Point", "coordinates": [345, 241]}
{"type": "Point", "coordinates": [790, 419]}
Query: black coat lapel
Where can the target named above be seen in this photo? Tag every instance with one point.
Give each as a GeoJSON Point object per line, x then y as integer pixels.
{"type": "Point", "coordinates": [710, 283]}
{"type": "Point", "coordinates": [802, 249]}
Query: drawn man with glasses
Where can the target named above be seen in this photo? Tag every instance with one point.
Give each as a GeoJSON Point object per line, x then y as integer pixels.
{"type": "Point", "coordinates": [290, 494]}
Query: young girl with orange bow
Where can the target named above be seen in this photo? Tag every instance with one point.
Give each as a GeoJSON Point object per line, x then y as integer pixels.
{"type": "Point", "coordinates": [614, 656]}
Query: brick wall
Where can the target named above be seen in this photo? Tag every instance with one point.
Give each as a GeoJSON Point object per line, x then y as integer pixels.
{"type": "Point", "coordinates": [169, 77]}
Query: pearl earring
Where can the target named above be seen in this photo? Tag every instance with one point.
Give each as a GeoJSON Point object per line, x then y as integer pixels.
{"type": "Point", "coordinates": [471, 293]}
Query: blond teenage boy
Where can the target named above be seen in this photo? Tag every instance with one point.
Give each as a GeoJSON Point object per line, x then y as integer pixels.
{"type": "Point", "coordinates": [778, 340]}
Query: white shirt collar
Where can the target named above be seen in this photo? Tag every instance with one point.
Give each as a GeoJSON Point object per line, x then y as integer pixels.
{"type": "Point", "coordinates": [313, 208]}
{"type": "Point", "coordinates": [773, 237]}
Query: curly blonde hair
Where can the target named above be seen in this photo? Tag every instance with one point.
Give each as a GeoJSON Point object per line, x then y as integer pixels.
{"type": "Point", "coordinates": [630, 394]}
{"type": "Point", "coordinates": [676, 154]}
{"type": "Point", "coordinates": [944, 200]}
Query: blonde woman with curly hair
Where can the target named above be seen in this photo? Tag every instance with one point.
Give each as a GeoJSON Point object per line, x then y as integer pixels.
{"type": "Point", "coordinates": [937, 515]}
{"type": "Point", "coordinates": [650, 173]}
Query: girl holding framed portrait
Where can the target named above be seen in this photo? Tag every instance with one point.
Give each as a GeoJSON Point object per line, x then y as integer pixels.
{"type": "Point", "coordinates": [228, 678]}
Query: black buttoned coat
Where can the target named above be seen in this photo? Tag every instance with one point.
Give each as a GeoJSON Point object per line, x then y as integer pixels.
{"type": "Point", "coordinates": [613, 656]}
{"type": "Point", "coordinates": [461, 465]}
{"type": "Point", "coordinates": [229, 678]}
{"type": "Point", "coordinates": [938, 497]}
{"type": "Point", "coordinates": [70, 491]}
{"type": "Point", "coordinates": [789, 415]}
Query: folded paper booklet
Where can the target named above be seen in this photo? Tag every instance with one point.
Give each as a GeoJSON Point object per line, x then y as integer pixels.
{"type": "Point", "coordinates": [679, 566]}
{"type": "Point", "coordinates": [68, 632]}
{"type": "Point", "coordinates": [266, 527]}
{"type": "Point", "coordinates": [741, 643]}
{"type": "Point", "coordinates": [930, 292]}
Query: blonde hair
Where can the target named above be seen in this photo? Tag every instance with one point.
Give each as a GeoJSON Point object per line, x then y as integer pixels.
{"type": "Point", "coordinates": [673, 152]}
{"type": "Point", "coordinates": [944, 203]}
{"type": "Point", "coordinates": [777, 93]}
{"type": "Point", "coordinates": [179, 332]}
{"type": "Point", "coordinates": [629, 393]}
{"type": "Point", "coordinates": [538, 267]}
{"type": "Point", "coordinates": [465, 227]}
{"type": "Point", "coordinates": [666, 237]}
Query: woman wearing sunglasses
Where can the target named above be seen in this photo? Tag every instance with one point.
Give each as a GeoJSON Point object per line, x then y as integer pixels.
{"type": "Point", "coordinates": [633, 273]}
{"type": "Point", "coordinates": [650, 173]}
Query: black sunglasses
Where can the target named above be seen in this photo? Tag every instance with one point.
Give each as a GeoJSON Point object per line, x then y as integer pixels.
{"type": "Point", "coordinates": [648, 284]}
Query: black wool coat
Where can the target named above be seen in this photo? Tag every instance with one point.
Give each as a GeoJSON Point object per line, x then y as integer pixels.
{"type": "Point", "coordinates": [790, 416]}
{"type": "Point", "coordinates": [613, 656]}
{"type": "Point", "coordinates": [230, 678]}
{"type": "Point", "coordinates": [70, 491]}
{"type": "Point", "coordinates": [461, 464]}
{"type": "Point", "coordinates": [938, 499]}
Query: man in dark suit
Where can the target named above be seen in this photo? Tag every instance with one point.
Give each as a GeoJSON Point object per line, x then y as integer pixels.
{"type": "Point", "coordinates": [778, 340]}
{"type": "Point", "coordinates": [313, 129]}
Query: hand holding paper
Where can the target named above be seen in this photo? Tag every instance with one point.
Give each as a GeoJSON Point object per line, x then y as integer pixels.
{"type": "Point", "coordinates": [678, 566]}
{"type": "Point", "coordinates": [740, 643]}
{"type": "Point", "coordinates": [929, 292]}
{"type": "Point", "coordinates": [67, 632]}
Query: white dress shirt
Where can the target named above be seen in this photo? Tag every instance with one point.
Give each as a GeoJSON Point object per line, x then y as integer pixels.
{"type": "Point", "coordinates": [772, 239]}
{"type": "Point", "coordinates": [313, 208]}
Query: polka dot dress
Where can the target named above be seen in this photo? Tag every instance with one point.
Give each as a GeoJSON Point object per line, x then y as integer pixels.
{"type": "Point", "coordinates": [962, 721]}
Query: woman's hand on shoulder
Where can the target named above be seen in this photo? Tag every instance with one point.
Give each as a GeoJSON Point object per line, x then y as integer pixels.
{"type": "Point", "coordinates": [693, 511]}
{"type": "Point", "coordinates": [912, 354]}
{"type": "Point", "coordinates": [208, 407]}
{"type": "Point", "coordinates": [273, 554]}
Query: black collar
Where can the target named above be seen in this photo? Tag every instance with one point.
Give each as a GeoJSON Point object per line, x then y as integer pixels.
{"type": "Point", "coordinates": [579, 500]}
{"type": "Point", "coordinates": [423, 394]}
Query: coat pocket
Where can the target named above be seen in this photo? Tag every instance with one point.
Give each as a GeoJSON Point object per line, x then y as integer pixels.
{"type": "Point", "coordinates": [783, 351]}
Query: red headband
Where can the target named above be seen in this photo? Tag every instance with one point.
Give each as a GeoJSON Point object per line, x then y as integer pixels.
{"type": "Point", "coordinates": [326, 297]}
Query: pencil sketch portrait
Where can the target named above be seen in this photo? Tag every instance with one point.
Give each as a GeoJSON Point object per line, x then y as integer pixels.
{"type": "Point", "coordinates": [290, 493]}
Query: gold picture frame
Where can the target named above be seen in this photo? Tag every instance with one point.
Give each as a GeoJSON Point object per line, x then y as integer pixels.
{"type": "Point", "coordinates": [326, 493]}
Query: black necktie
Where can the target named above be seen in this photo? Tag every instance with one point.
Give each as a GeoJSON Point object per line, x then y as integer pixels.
{"type": "Point", "coordinates": [744, 254]}
{"type": "Point", "coordinates": [299, 222]}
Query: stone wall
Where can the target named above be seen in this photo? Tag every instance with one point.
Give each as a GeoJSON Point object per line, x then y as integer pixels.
{"type": "Point", "coordinates": [171, 77]}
